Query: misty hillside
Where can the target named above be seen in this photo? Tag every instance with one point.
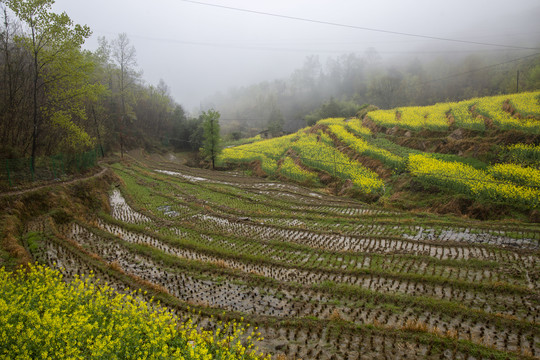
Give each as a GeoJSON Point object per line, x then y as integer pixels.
{"type": "Point", "coordinates": [345, 83]}
{"type": "Point", "coordinates": [477, 157]}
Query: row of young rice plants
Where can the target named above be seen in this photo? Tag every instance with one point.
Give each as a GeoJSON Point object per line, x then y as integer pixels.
{"type": "Point", "coordinates": [147, 199]}
{"type": "Point", "coordinates": [312, 344]}
{"type": "Point", "coordinates": [366, 218]}
{"type": "Point", "coordinates": [326, 220]}
{"type": "Point", "coordinates": [251, 250]}
{"type": "Point", "coordinates": [226, 198]}
{"type": "Point", "coordinates": [373, 262]}
{"type": "Point", "coordinates": [165, 195]}
{"type": "Point", "coordinates": [315, 239]}
{"type": "Point", "coordinates": [70, 255]}
{"type": "Point", "coordinates": [333, 218]}
{"type": "Point", "coordinates": [101, 323]}
{"type": "Point", "coordinates": [207, 218]}
{"type": "Point", "coordinates": [212, 239]}
{"type": "Point", "coordinates": [472, 182]}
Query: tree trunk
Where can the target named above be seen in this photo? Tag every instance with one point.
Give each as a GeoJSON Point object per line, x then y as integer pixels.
{"type": "Point", "coordinates": [35, 106]}
{"type": "Point", "coordinates": [97, 131]}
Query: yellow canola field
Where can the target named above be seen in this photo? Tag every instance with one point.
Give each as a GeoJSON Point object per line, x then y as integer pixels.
{"type": "Point", "coordinates": [289, 169]}
{"type": "Point", "coordinates": [526, 176]}
{"type": "Point", "coordinates": [464, 119]}
{"type": "Point", "coordinates": [363, 147]}
{"type": "Point", "coordinates": [470, 181]}
{"type": "Point", "coordinates": [355, 125]}
{"type": "Point", "coordinates": [527, 104]}
{"type": "Point", "coordinates": [43, 317]}
{"type": "Point", "coordinates": [414, 117]}
{"type": "Point", "coordinates": [523, 153]}
{"type": "Point", "coordinates": [435, 117]}
{"type": "Point", "coordinates": [492, 108]}
{"type": "Point", "coordinates": [267, 152]}
{"type": "Point", "coordinates": [315, 152]}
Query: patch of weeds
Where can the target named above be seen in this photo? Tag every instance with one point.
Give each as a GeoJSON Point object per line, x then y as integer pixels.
{"type": "Point", "coordinates": [34, 242]}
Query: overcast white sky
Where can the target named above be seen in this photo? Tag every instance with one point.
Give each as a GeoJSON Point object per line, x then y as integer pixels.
{"type": "Point", "coordinates": [199, 49]}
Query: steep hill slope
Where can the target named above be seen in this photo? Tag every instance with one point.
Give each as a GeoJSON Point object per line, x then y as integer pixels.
{"type": "Point", "coordinates": [478, 157]}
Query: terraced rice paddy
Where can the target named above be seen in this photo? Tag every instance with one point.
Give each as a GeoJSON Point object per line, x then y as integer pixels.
{"type": "Point", "coordinates": [322, 277]}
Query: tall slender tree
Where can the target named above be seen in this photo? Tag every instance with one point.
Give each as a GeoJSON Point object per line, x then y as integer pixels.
{"type": "Point", "coordinates": [125, 56]}
{"type": "Point", "coordinates": [211, 144]}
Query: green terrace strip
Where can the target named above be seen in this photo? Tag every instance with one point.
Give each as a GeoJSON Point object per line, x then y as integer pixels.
{"type": "Point", "coordinates": [316, 153]}
{"type": "Point", "coordinates": [188, 223]}
{"type": "Point", "coordinates": [509, 231]}
{"type": "Point", "coordinates": [291, 170]}
{"type": "Point", "coordinates": [330, 147]}
{"type": "Point", "coordinates": [404, 152]}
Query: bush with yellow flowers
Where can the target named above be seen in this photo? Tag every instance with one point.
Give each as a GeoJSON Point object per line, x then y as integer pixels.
{"type": "Point", "coordinates": [42, 317]}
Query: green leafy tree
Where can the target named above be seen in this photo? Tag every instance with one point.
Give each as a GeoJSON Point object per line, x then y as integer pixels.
{"type": "Point", "coordinates": [58, 69]}
{"type": "Point", "coordinates": [211, 147]}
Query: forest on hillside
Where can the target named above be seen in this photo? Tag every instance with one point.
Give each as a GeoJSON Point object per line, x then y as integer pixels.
{"type": "Point", "coordinates": [57, 97]}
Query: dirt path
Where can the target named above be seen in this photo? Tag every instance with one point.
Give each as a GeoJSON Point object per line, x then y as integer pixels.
{"type": "Point", "coordinates": [24, 191]}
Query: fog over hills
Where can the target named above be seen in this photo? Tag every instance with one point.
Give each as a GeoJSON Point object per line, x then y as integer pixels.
{"type": "Point", "coordinates": [199, 48]}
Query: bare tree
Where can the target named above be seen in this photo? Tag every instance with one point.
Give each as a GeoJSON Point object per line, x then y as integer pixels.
{"type": "Point", "coordinates": [125, 56]}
